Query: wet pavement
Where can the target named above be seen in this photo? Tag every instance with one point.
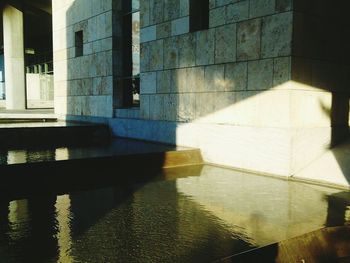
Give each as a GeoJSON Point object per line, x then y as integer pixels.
{"type": "Point", "coordinates": [188, 214]}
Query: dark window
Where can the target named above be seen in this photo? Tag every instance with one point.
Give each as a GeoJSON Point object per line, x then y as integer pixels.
{"type": "Point", "coordinates": [131, 53]}
{"type": "Point", "coordinates": [79, 43]}
{"type": "Point", "coordinates": [199, 15]}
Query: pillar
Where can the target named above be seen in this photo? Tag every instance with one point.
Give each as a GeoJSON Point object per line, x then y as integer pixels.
{"type": "Point", "coordinates": [14, 57]}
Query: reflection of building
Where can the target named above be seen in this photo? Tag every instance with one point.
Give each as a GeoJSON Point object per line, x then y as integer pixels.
{"type": "Point", "coordinates": [256, 84]}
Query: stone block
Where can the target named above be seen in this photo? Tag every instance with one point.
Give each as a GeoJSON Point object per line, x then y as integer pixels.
{"type": "Point", "coordinates": [186, 107]}
{"type": "Point", "coordinates": [195, 79]}
{"type": "Point", "coordinates": [86, 87]}
{"type": "Point", "coordinates": [187, 51]}
{"type": "Point", "coordinates": [165, 81]}
{"type": "Point", "coordinates": [171, 52]}
{"type": "Point", "coordinates": [281, 70]}
{"type": "Point", "coordinates": [184, 8]}
{"type": "Point", "coordinates": [181, 80]}
{"type": "Point", "coordinates": [260, 74]}
{"type": "Point", "coordinates": [225, 2]}
{"type": "Point", "coordinates": [248, 39]}
{"type": "Point", "coordinates": [214, 78]}
{"type": "Point", "coordinates": [217, 17]}
{"type": "Point", "coordinates": [157, 107]}
{"type": "Point", "coordinates": [156, 11]}
{"type": "Point", "coordinates": [148, 34]}
{"type": "Point", "coordinates": [205, 104]}
{"type": "Point", "coordinates": [144, 57]}
{"type": "Point", "coordinates": [144, 106]}
{"type": "Point", "coordinates": [102, 86]}
{"type": "Point", "coordinates": [170, 107]}
{"type": "Point", "coordinates": [277, 35]}
{"type": "Point", "coordinates": [236, 76]}
{"type": "Point", "coordinates": [156, 55]}
{"type": "Point", "coordinates": [163, 30]}
{"type": "Point", "coordinates": [144, 13]}
{"type": "Point", "coordinates": [171, 9]}
{"type": "Point", "coordinates": [261, 8]}
{"type": "Point", "coordinates": [148, 83]}
{"type": "Point", "coordinates": [225, 43]}
{"type": "Point", "coordinates": [109, 24]}
{"type": "Point", "coordinates": [205, 47]}
{"type": "Point", "coordinates": [180, 26]}
{"type": "Point", "coordinates": [237, 12]}
{"type": "Point", "coordinates": [283, 5]}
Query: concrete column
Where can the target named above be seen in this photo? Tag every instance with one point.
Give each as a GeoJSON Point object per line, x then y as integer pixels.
{"type": "Point", "coordinates": [14, 57]}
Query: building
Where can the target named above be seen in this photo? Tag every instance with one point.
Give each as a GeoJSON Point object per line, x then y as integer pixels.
{"type": "Point", "coordinates": [259, 85]}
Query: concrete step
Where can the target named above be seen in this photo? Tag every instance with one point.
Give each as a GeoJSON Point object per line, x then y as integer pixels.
{"type": "Point", "coordinates": [37, 170]}
{"type": "Point", "coordinates": [29, 134]}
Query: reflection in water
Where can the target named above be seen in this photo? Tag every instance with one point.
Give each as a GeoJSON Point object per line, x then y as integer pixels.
{"type": "Point", "coordinates": [184, 219]}
{"type": "Point", "coordinates": [64, 239]}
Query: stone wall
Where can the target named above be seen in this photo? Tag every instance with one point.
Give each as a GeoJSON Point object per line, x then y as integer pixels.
{"type": "Point", "coordinates": [220, 89]}
{"type": "Point", "coordinates": [193, 76]}
{"type": "Point", "coordinates": [83, 84]}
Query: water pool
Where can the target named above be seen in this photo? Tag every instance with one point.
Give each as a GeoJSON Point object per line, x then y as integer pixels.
{"type": "Point", "coordinates": [190, 214]}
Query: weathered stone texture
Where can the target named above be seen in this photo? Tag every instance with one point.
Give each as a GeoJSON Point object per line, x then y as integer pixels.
{"type": "Point", "coordinates": [171, 52]}
{"type": "Point", "coordinates": [156, 11]}
{"type": "Point", "coordinates": [237, 12]}
{"type": "Point", "coordinates": [225, 44]}
{"type": "Point", "coordinates": [163, 30]}
{"type": "Point", "coordinates": [171, 9]}
{"type": "Point", "coordinates": [156, 55]}
{"type": "Point", "coordinates": [260, 74]}
{"type": "Point", "coordinates": [205, 48]}
{"type": "Point", "coordinates": [281, 70]}
{"type": "Point", "coordinates": [248, 39]}
{"type": "Point", "coordinates": [187, 50]}
{"type": "Point", "coordinates": [215, 78]}
{"type": "Point", "coordinates": [277, 35]}
{"type": "Point", "coordinates": [261, 8]}
{"type": "Point", "coordinates": [217, 17]}
{"type": "Point", "coordinates": [236, 76]}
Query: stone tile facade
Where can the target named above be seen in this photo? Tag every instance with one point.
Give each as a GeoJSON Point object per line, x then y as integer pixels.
{"type": "Point", "coordinates": [237, 53]}
{"type": "Point", "coordinates": [83, 84]}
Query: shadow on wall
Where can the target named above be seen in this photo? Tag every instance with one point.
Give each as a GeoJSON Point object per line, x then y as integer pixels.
{"type": "Point", "coordinates": [236, 94]}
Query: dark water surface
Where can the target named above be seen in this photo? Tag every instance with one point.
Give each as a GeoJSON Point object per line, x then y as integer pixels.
{"type": "Point", "coordinates": [183, 215]}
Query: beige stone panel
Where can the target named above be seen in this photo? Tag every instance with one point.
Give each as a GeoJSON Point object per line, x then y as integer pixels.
{"type": "Point", "coordinates": [60, 105]}
{"type": "Point", "coordinates": [61, 89]}
{"type": "Point", "coordinates": [61, 70]}
{"type": "Point", "coordinates": [60, 55]}
{"type": "Point", "coordinates": [60, 39]}
{"type": "Point", "coordinates": [262, 149]}
{"type": "Point", "coordinates": [308, 145]}
{"type": "Point", "coordinates": [310, 108]}
{"type": "Point", "coordinates": [247, 108]}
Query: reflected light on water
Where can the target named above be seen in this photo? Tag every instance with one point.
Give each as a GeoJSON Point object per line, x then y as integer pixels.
{"type": "Point", "coordinates": [64, 239]}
